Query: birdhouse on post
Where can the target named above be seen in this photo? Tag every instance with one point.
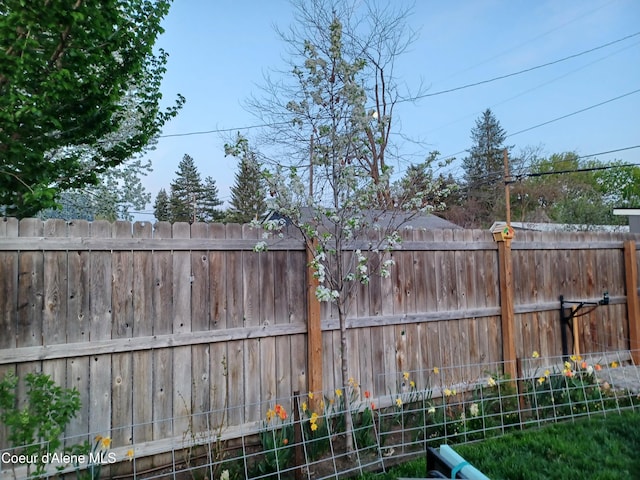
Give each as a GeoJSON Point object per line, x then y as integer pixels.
{"type": "Point", "coordinates": [503, 233]}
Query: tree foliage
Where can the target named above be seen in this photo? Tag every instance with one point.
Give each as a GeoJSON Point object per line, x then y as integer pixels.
{"type": "Point", "coordinates": [419, 181]}
{"type": "Point", "coordinates": [484, 170]}
{"type": "Point", "coordinates": [191, 199]}
{"type": "Point", "coordinates": [248, 195]}
{"type": "Point", "coordinates": [118, 193]}
{"type": "Point", "coordinates": [359, 83]}
{"type": "Point", "coordinates": [162, 206]}
{"type": "Point", "coordinates": [209, 202]}
{"type": "Point", "coordinates": [186, 191]}
{"type": "Point", "coordinates": [566, 189]}
{"type": "Point", "coordinates": [79, 94]}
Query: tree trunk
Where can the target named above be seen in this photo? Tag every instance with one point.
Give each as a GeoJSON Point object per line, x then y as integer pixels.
{"type": "Point", "coordinates": [348, 420]}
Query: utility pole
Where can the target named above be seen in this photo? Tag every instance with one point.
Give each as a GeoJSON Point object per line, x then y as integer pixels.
{"type": "Point", "coordinates": [507, 182]}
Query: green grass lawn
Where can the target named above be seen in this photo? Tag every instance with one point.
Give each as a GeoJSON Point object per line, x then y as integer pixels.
{"type": "Point", "coordinates": [600, 448]}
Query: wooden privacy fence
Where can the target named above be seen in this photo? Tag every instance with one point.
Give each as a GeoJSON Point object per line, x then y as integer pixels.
{"type": "Point", "coordinates": [156, 322]}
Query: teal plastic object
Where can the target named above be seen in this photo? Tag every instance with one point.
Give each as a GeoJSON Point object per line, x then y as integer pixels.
{"type": "Point", "coordinates": [459, 464]}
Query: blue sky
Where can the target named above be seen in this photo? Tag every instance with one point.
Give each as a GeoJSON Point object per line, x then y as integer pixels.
{"type": "Point", "coordinates": [219, 52]}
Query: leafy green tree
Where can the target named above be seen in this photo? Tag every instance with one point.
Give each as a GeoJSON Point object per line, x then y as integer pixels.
{"type": "Point", "coordinates": [248, 195]}
{"type": "Point", "coordinates": [567, 189]}
{"type": "Point", "coordinates": [484, 169]}
{"type": "Point", "coordinates": [621, 184]}
{"type": "Point", "coordinates": [162, 207]}
{"type": "Point", "coordinates": [69, 73]}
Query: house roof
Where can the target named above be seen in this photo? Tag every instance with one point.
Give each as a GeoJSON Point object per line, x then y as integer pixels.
{"type": "Point", "coordinates": [395, 219]}
{"type": "Point", "coordinates": [562, 227]}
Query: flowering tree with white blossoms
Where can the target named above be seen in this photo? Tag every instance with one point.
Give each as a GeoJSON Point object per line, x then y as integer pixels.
{"type": "Point", "coordinates": [348, 218]}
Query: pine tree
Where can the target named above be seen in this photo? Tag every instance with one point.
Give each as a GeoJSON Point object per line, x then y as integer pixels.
{"type": "Point", "coordinates": [484, 168]}
{"type": "Point", "coordinates": [248, 192]}
{"type": "Point", "coordinates": [186, 192]}
{"type": "Point", "coordinates": [208, 210]}
{"type": "Point", "coordinates": [162, 207]}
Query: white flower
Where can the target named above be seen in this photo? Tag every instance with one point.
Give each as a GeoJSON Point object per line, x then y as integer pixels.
{"type": "Point", "coordinates": [260, 247]}
{"type": "Point", "coordinates": [323, 294]}
{"type": "Point", "coordinates": [474, 410]}
{"type": "Point", "coordinates": [374, 115]}
{"type": "Point", "coordinates": [224, 475]}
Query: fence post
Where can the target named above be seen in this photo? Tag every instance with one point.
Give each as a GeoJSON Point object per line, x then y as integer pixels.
{"type": "Point", "coordinates": [505, 272]}
{"type": "Point", "coordinates": [314, 330]}
{"type": "Point", "coordinates": [633, 308]}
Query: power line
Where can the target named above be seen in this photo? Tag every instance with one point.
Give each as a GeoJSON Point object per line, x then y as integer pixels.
{"type": "Point", "coordinates": [608, 151]}
{"type": "Point", "coordinates": [573, 170]}
{"type": "Point", "coordinates": [526, 70]}
{"type": "Point", "coordinates": [444, 157]}
{"type": "Point", "coordinates": [222, 130]}
{"type": "Point", "coordinates": [575, 113]}
{"type": "Point", "coordinates": [441, 92]}
{"type": "Point", "coordinates": [490, 175]}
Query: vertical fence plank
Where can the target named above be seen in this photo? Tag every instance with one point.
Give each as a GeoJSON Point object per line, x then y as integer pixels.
{"type": "Point", "coordinates": [100, 295]}
{"type": "Point", "coordinates": [218, 313]}
{"type": "Point", "coordinates": [375, 334]}
{"type": "Point", "coordinates": [78, 325]}
{"type": "Point", "coordinates": [30, 299]}
{"type": "Point", "coordinates": [54, 314]}
{"type": "Point", "coordinates": [432, 346]}
{"type": "Point", "coordinates": [235, 350]}
{"type": "Point", "coordinates": [445, 282]}
{"type": "Point", "coordinates": [143, 287]}
{"type": "Point", "coordinates": [407, 334]}
{"type": "Point", "coordinates": [266, 316]}
{"type": "Point", "coordinates": [181, 324]}
{"type": "Point", "coordinates": [162, 266]}
{"type": "Point", "coordinates": [122, 327]}
{"type": "Point", "coordinates": [200, 360]}
{"type": "Point", "coordinates": [252, 299]}
{"type": "Point", "coordinates": [481, 297]}
{"type": "Point", "coordinates": [9, 287]}
{"type": "Point", "coordinates": [281, 355]}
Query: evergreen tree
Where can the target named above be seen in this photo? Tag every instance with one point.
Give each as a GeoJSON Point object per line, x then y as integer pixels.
{"type": "Point", "coordinates": [248, 192]}
{"type": "Point", "coordinates": [186, 192]}
{"type": "Point", "coordinates": [208, 210]}
{"type": "Point", "coordinates": [484, 169]}
{"type": "Point", "coordinates": [162, 207]}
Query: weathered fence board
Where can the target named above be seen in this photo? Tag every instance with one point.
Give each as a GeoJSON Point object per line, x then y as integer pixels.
{"type": "Point", "coordinates": [154, 324]}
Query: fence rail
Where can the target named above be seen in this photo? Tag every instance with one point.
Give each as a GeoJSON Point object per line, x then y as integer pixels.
{"type": "Point", "coordinates": [151, 322]}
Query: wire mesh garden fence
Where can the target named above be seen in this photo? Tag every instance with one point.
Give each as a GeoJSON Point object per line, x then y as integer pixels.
{"type": "Point", "coordinates": [305, 437]}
